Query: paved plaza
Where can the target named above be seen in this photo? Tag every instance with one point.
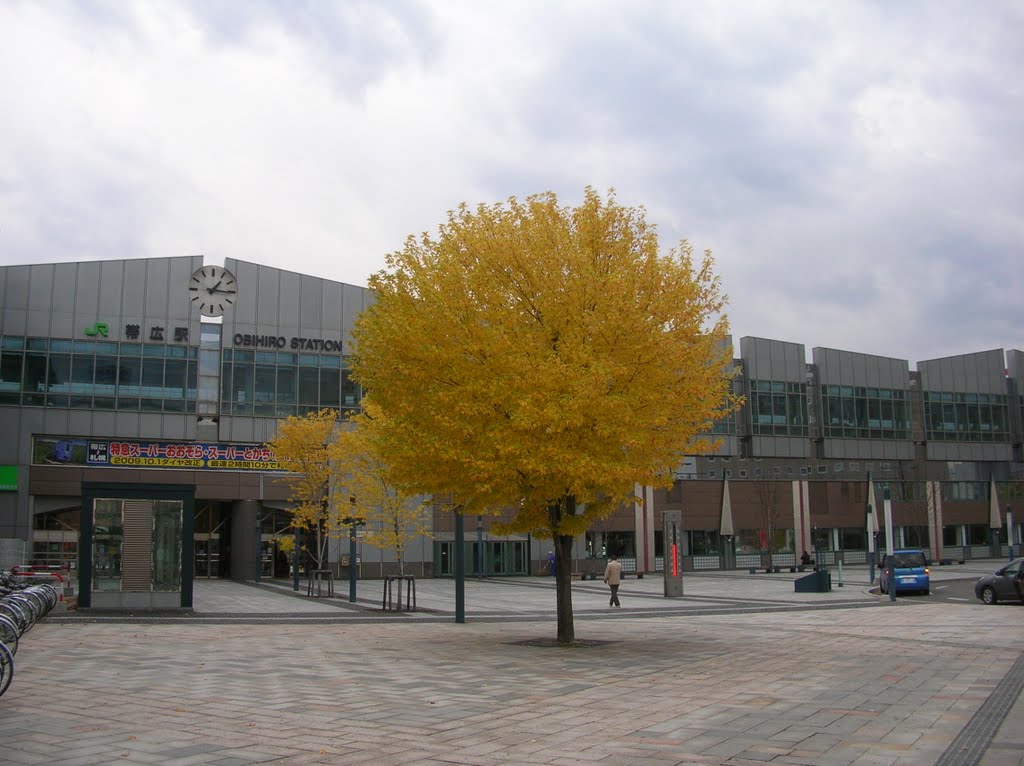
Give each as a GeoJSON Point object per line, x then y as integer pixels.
{"type": "Point", "coordinates": [742, 670]}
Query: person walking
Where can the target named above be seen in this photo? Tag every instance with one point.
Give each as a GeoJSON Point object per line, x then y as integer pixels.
{"type": "Point", "coordinates": [613, 576]}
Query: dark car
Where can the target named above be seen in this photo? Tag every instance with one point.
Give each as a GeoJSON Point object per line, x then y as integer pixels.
{"type": "Point", "coordinates": [909, 571]}
{"type": "Point", "coordinates": [1004, 584]}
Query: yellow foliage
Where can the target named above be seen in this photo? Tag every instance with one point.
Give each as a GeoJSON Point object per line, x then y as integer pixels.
{"type": "Point", "coordinates": [301, 446]}
{"type": "Point", "coordinates": [392, 516]}
{"type": "Point", "coordinates": [528, 353]}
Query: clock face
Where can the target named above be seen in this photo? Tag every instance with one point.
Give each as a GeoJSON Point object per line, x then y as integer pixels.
{"type": "Point", "coordinates": [212, 289]}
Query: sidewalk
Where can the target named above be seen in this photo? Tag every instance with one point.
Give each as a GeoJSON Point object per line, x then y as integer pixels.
{"type": "Point", "coordinates": [740, 671]}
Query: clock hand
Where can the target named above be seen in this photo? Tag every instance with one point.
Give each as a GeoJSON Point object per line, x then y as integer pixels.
{"type": "Point", "coordinates": [214, 289]}
{"type": "Point", "coordinates": [222, 292]}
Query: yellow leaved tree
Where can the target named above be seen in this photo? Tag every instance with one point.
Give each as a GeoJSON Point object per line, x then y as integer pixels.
{"type": "Point", "coordinates": [302, 447]}
{"type": "Point", "coordinates": [543, 358]}
{"type": "Point", "coordinates": [393, 517]}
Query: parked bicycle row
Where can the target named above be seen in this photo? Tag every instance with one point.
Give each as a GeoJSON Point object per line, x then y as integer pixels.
{"type": "Point", "coordinates": [22, 605]}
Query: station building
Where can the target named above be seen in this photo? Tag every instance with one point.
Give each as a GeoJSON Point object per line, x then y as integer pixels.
{"type": "Point", "coordinates": [136, 397]}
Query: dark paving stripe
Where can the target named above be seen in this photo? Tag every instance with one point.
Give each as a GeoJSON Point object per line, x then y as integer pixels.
{"type": "Point", "coordinates": [971, 743]}
{"type": "Point", "coordinates": [377, 616]}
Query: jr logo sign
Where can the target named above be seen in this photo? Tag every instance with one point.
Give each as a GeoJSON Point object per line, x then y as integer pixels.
{"type": "Point", "coordinates": [100, 328]}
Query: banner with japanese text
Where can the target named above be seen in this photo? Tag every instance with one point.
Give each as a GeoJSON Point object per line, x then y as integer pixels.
{"type": "Point", "coordinates": [132, 453]}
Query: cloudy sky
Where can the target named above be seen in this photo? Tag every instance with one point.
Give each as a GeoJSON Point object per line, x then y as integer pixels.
{"type": "Point", "coordinates": [856, 167]}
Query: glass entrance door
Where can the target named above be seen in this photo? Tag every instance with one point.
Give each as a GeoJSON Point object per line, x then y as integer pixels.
{"type": "Point", "coordinates": [210, 531]}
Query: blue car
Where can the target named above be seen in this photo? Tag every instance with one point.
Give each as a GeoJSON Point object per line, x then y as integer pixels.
{"type": "Point", "coordinates": [908, 570]}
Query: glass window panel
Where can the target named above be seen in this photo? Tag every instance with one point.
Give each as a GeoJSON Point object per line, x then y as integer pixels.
{"type": "Point", "coordinates": [349, 390]}
{"type": "Point", "coordinates": [38, 344]}
{"type": "Point", "coordinates": [192, 380]}
{"type": "Point", "coordinates": [130, 349]}
{"type": "Point", "coordinates": [107, 538]}
{"type": "Point", "coordinates": [152, 349]}
{"type": "Point", "coordinates": [106, 375]}
{"type": "Point", "coordinates": [330, 388]}
{"type": "Point", "coordinates": [13, 342]}
{"type": "Point", "coordinates": [874, 413]}
{"type": "Point", "coordinates": [167, 526]}
{"type": "Point", "coordinates": [266, 357]}
{"type": "Point", "coordinates": [153, 378]}
{"type": "Point", "coordinates": [35, 373]}
{"type": "Point", "coordinates": [129, 375]}
{"type": "Point", "coordinates": [225, 382]}
{"type": "Point", "coordinates": [330, 362]}
{"type": "Point", "coordinates": [885, 411]}
{"type": "Point", "coordinates": [263, 395]}
{"type": "Point", "coordinates": [287, 385]}
{"type": "Point", "coordinates": [58, 377]}
{"type": "Point", "coordinates": [242, 383]}
{"type": "Point", "coordinates": [103, 403]}
{"type": "Point", "coordinates": [83, 371]}
{"type": "Point", "coordinates": [796, 403]}
{"type": "Point", "coordinates": [309, 360]}
{"type": "Point", "coordinates": [309, 386]}
{"type": "Point", "coordinates": [10, 371]}
{"type": "Point", "coordinates": [174, 378]}
{"type": "Point", "coordinates": [779, 410]}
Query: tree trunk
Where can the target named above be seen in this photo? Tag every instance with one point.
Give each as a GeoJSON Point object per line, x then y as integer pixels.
{"type": "Point", "coordinates": [563, 588]}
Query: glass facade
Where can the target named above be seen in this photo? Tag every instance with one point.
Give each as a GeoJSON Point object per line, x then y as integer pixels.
{"type": "Point", "coordinates": [778, 408]}
{"type": "Point", "coordinates": [966, 417]}
{"type": "Point", "coordinates": [85, 374]}
{"type": "Point", "coordinates": [851, 412]}
{"type": "Point", "coordinates": [120, 544]}
{"type": "Point", "coordinates": [279, 384]}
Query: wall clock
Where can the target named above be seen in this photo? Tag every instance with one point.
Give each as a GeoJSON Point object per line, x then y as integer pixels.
{"type": "Point", "coordinates": [212, 289]}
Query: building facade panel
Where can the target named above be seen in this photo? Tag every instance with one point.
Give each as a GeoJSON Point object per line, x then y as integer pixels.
{"type": "Point", "coordinates": [115, 350]}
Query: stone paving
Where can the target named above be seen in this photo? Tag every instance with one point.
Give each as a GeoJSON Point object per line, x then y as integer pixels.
{"type": "Point", "coordinates": [741, 671]}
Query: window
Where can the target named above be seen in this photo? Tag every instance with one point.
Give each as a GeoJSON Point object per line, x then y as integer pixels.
{"type": "Point", "coordinates": [865, 413]}
{"type": "Point", "coordinates": [778, 408]}
{"type": "Point", "coordinates": [966, 417]}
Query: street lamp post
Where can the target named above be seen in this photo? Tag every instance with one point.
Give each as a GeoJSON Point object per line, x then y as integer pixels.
{"type": "Point", "coordinates": [353, 522]}
{"type": "Point", "coordinates": [479, 547]}
{"type": "Point", "coordinates": [295, 559]}
{"type": "Point", "coordinates": [889, 544]}
{"type": "Point", "coordinates": [1009, 531]}
{"type": "Point", "coordinates": [871, 547]}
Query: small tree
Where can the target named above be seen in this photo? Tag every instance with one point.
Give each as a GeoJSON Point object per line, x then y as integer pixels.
{"type": "Point", "coordinates": [393, 517]}
{"type": "Point", "coordinates": [302, 448]}
{"type": "Point", "coordinates": [768, 497]}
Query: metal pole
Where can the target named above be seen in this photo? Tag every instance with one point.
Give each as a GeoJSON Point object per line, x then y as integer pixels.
{"type": "Point", "coordinates": [871, 547]}
{"type": "Point", "coordinates": [295, 562]}
{"type": "Point", "coordinates": [1009, 531]}
{"type": "Point", "coordinates": [479, 547]}
{"type": "Point", "coordinates": [887, 505]}
{"type": "Point", "coordinates": [352, 563]}
{"type": "Point", "coordinates": [259, 547]}
{"type": "Point", "coordinates": [460, 568]}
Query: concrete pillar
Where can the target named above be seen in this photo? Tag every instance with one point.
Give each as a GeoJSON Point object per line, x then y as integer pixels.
{"type": "Point", "coordinates": [245, 516]}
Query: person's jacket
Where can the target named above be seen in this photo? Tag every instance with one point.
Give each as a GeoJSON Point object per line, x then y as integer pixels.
{"type": "Point", "coordinates": [613, 572]}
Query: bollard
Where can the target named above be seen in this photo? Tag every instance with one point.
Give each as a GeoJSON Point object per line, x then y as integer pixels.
{"type": "Point", "coordinates": [840, 565]}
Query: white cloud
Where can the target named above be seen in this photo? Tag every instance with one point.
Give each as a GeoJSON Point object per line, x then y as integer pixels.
{"type": "Point", "coordinates": [856, 167]}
